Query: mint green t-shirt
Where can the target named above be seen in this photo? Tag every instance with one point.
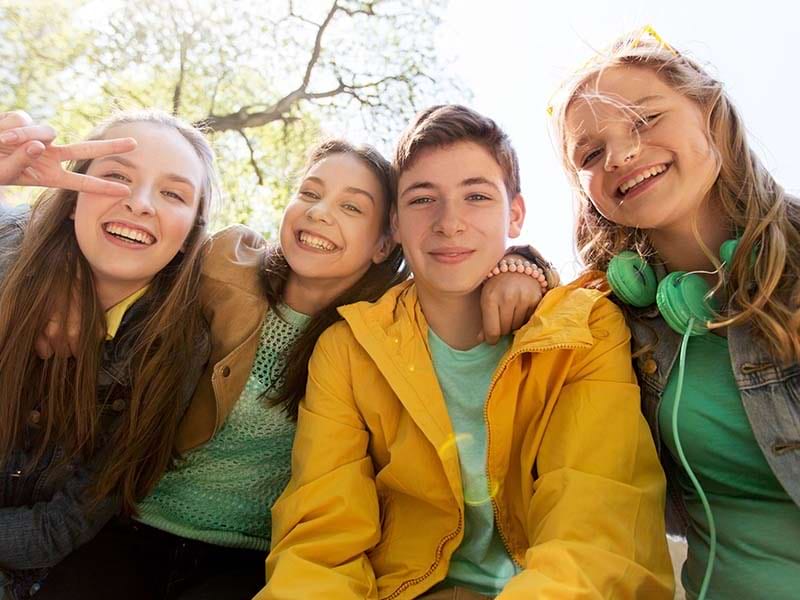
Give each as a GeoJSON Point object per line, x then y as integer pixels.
{"type": "Point", "coordinates": [222, 492]}
{"type": "Point", "coordinates": [481, 563]}
{"type": "Point", "coordinates": [758, 525]}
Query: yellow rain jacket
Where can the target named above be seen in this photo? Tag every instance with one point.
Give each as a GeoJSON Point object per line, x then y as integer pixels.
{"type": "Point", "coordinates": [375, 505]}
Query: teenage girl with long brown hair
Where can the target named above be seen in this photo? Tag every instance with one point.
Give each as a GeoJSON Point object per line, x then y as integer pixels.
{"type": "Point", "coordinates": [83, 438]}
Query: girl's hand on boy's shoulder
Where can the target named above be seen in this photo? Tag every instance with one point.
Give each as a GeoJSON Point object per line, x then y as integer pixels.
{"type": "Point", "coordinates": [507, 302]}
{"type": "Point", "coordinates": [29, 157]}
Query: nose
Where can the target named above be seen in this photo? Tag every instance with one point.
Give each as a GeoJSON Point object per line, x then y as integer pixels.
{"type": "Point", "coordinates": [319, 211]}
{"type": "Point", "coordinates": [448, 219]}
{"type": "Point", "coordinates": [620, 152]}
{"type": "Point", "coordinates": [140, 202]}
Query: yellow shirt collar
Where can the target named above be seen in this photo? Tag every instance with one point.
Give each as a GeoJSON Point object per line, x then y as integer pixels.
{"type": "Point", "coordinates": [115, 313]}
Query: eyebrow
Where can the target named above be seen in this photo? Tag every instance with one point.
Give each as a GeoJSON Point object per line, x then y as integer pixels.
{"type": "Point", "coordinates": [126, 163]}
{"type": "Point", "coordinates": [418, 185]}
{"type": "Point", "coordinates": [429, 185]}
{"type": "Point", "coordinates": [644, 99]}
{"type": "Point", "coordinates": [478, 181]}
{"type": "Point", "coordinates": [349, 189]}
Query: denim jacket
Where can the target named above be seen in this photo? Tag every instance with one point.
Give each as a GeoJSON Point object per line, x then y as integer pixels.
{"type": "Point", "coordinates": [770, 394]}
{"type": "Point", "coordinates": [43, 515]}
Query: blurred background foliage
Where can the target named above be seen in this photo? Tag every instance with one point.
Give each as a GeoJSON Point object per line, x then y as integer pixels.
{"type": "Point", "coordinates": [265, 78]}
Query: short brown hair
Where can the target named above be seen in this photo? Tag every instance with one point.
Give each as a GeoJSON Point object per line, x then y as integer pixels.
{"type": "Point", "coordinates": [447, 124]}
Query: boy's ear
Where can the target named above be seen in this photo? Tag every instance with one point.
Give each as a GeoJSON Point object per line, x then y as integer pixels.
{"type": "Point", "coordinates": [516, 216]}
{"type": "Point", "coordinates": [393, 224]}
{"type": "Point", "coordinates": [385, 248]}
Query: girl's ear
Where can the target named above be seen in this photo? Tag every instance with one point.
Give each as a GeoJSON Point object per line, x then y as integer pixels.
{"type": "Point", "coordinates": [385, 248]}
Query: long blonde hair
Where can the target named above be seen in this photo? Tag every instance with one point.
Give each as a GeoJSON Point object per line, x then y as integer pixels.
{"type": "Point", "coordinates": [63, 393]}
{"type": "Point", "coordinates": [764, 292]}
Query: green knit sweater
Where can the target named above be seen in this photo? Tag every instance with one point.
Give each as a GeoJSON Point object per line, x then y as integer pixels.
{"type": "Point", "coordinates": [222, 492]}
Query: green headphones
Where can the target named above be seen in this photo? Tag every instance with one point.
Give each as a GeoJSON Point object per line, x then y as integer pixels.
{"type": "Point", "coordinates": [682, 298]}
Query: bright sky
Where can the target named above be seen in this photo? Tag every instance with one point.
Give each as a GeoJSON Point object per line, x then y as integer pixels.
{"type": "Point", "coordinates": [514, 54]}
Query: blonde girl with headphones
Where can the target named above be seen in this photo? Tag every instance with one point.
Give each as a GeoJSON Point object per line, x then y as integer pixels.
{"type": "Point", "coordinates": [702, 247]}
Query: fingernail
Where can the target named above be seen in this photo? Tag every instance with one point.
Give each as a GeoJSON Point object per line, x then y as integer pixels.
{"type": "Point", "coordinates": [8, 137]}
{"type": "Point", "coordinates": [34, 150]}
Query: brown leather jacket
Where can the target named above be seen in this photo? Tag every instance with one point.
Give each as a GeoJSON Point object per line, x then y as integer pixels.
{"type": "Point", "coordinates": [234, 304]}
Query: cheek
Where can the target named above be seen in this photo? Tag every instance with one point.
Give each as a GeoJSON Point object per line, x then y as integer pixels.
{"type": "Point", "coordinates": [88, 210]}
{"type": "Point", "coordinates": [177, 224]}
{"type": "Point", "coordinates": [592, 186]}
{"type": "Point", "coordinates": [406, 230]}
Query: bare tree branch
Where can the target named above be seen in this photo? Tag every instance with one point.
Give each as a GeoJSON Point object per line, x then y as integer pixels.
{"type": "Point", "coordinates": [176, 94]}
{"type": "Point", "coordinates": [253, 161]}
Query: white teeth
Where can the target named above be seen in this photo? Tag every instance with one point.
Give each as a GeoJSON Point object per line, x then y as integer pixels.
{"type": "Point", "coordinates": [316, 242]}
{"type": "Point", "coordinates": [641, 177]}
{"type": "Point", "coordinates": [135, 235]}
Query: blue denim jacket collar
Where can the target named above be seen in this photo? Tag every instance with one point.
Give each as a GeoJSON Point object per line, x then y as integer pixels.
{"type": "Point", "coordinates": [770, 393]}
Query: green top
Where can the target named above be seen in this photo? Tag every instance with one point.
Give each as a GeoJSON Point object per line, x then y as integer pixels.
{"type": "Point", "coordinates": [223, 491]}
{"type": "Point", "coordinates": [481, 563]}
{"type": "Point", "coordinates": [758, 526]}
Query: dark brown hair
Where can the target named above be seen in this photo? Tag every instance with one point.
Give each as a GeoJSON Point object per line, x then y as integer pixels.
{"type": "Point", "coordinates": [443, 125]}
{"type": "Point", "coordinates": [63, 391]}
{"type": "Point", "coordinates": [372, 285]}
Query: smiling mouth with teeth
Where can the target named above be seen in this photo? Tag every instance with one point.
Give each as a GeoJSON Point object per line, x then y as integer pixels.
{"type": "Point", "coordinates": [318, 243]}
{"type": "Point", "coordinates": [631, 183]}
{"type": "Point", "coordinates": [127, 234]}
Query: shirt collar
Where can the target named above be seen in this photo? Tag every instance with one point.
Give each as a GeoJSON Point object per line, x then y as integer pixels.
{"type": "Point", "coordinates": [115, 313]}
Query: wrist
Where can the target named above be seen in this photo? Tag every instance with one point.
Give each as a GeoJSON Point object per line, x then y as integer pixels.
{"type": "Point", "coordinates": [519, 265]}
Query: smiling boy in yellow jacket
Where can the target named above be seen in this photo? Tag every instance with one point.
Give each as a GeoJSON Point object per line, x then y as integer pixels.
{"type": "Point", "coordinates": [427, 465]}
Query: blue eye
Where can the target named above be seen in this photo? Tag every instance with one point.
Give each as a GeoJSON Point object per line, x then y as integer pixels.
{"type": "Point", "coordinates": [645, 121]}
{"type": "Point", "coordinates": [590, 157]}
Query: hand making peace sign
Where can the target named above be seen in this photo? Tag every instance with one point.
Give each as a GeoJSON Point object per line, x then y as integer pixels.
{"type": "Point", "coordinates": [28, 157]}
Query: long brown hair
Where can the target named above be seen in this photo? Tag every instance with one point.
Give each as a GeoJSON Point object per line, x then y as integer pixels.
{"type": "Point", "coordinates": [372, 285]}
{"type": "Point", "coordinates": [63, 393]}
{"type": "Point", "coordinates": [765, 293]}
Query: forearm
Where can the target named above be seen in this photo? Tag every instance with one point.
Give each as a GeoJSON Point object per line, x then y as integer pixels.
{"type": "Point", "coordinates": [41, 535]}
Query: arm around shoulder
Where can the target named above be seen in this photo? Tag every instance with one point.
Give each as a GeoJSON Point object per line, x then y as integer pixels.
{"type": "Point", "coordinates": [596, 518]}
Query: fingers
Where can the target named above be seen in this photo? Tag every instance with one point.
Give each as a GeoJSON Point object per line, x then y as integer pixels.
{"type": "Point", "coordinates": [74, 321]}
{"type": "Point", "coordinates": [520, 317]}
{"type": "Point", "coordinates": [507, 317]}
{"type": "Point", "coordinates": [91, 185]}
{"type": "Point", "coordinates": [14, 118]}
{"type": "Point", "coordinates": [59, 338]}
{"type": "Point", "coordinates": [491, 321]}
{"type": "Point", "coordinates": [15, 164]}
{"type": "Point", "coordinates": [43, 348]}
{"type": "Point", "coordinates": [95, 148]}
{"type": "Point", "coordinates": [20, 135]}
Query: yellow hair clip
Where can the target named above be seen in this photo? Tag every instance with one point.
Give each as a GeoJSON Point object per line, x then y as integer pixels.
{"type": "Point", "coordinates": [649, 30]}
